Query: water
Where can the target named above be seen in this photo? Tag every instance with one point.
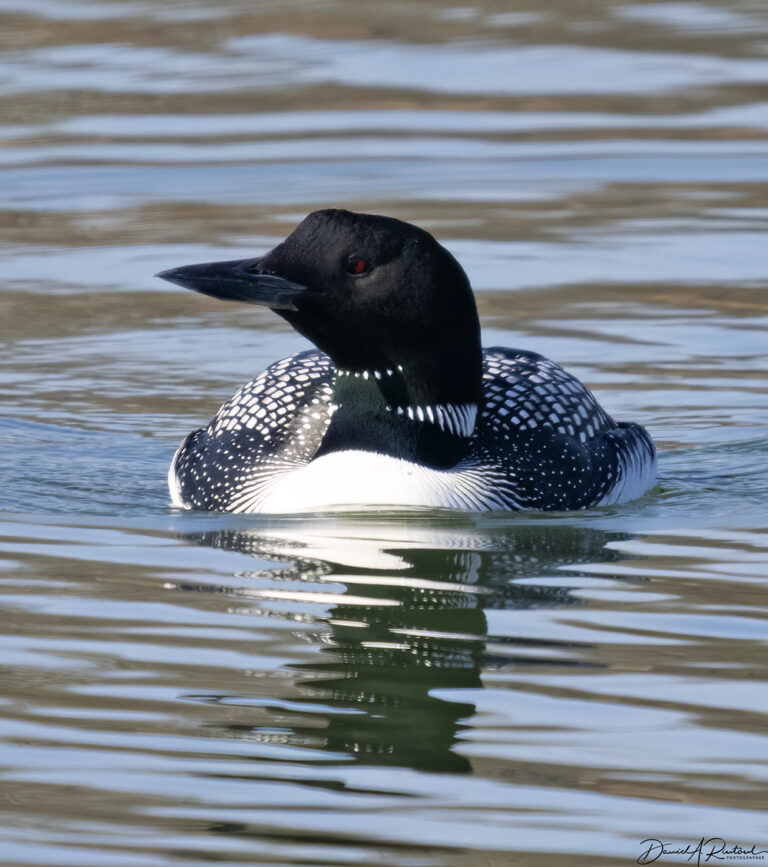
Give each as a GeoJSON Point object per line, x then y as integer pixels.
{"type": "Point", "coordinates": [381, 689]}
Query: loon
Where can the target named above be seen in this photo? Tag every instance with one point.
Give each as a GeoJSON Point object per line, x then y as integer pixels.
{"type": "Point", "coordinates": [399, 405]}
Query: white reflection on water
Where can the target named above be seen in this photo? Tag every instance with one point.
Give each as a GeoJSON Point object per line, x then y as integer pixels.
{"type": "Point", "coordinates": [495, 69]}
{"type": "Point", "coordinates": [695, 17]}
{"type": "Point", "coordinates": [352, 148]}
{"type": "Point", "coordinates": [324, 182]}
{"type": "Point", "coordinates": [280, 60]}
{"type": "Point", "coordinates": [148, 127]}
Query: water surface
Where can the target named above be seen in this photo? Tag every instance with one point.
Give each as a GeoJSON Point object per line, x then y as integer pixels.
{"type": "Point", "coordinates": [383, 689]}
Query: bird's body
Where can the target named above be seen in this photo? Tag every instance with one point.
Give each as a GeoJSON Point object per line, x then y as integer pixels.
{"type": "Point", "coordinates": [388, 423]}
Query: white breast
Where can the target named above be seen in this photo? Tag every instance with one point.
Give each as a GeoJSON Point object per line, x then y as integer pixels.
{"type": "Point", "coordinates": [353, 479]}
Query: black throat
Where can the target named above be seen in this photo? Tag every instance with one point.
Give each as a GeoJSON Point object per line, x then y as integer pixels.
{"type": "Point", "coordinates": [391, 412]}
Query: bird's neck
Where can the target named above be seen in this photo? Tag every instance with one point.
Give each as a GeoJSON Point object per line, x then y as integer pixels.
{"type": "Point", "coordinates": [412, 411]}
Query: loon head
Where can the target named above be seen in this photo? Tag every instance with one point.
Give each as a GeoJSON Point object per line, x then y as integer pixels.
{"type": "Point", "coordinates": [373, 292]}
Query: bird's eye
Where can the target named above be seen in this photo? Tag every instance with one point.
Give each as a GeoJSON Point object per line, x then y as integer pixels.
{"type": "Point", "coordinates": [357, 266]}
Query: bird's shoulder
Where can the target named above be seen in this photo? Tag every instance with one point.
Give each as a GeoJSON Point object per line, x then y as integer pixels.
{"type": "Point", "coordinates": [524, 391]}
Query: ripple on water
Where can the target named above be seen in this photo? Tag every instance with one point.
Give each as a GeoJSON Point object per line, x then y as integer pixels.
{"type": "Point", "coordinates": [307, 674]}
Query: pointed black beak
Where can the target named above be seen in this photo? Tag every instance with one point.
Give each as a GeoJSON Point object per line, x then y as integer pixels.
{"type": "Point", "coordinates": [237, 280]}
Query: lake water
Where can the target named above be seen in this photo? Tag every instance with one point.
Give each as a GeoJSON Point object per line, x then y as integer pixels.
{"type": "Point", "coordinates": [381, 689]}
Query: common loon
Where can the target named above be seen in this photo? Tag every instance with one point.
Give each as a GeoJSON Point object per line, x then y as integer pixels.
{"type": "Point", "coordinates": [399, 405]}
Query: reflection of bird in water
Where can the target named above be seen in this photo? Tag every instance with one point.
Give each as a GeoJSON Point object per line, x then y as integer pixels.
{"type": "Point", "coordinates": [411, 623]}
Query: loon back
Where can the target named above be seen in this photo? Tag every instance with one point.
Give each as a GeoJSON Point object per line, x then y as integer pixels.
{"type": "Point", "coordinates": [399, 405]}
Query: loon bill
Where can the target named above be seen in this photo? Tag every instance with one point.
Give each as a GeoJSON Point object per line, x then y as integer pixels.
{"type": "Point", "coordinates": [399, 405]}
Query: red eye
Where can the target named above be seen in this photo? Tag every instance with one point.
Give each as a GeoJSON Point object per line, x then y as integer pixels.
{"type": "Point", "coordinates": [356, 265]}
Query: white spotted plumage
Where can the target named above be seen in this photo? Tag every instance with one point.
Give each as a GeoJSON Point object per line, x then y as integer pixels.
{"type": "Point", "coordinates": [540, 440]}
